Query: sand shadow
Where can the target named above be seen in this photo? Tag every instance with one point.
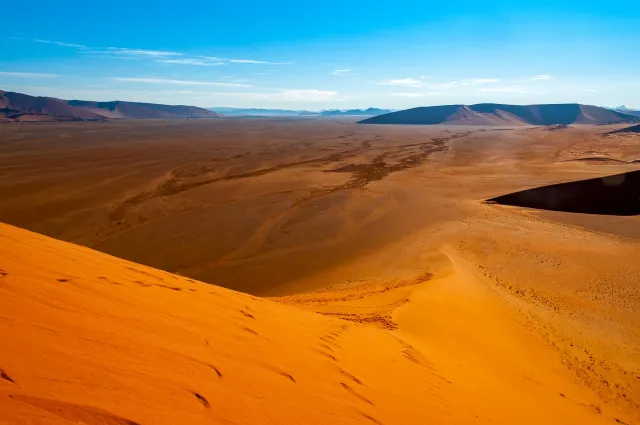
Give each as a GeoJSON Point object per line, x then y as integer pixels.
{"type": "Point", "coordinates": [618, 194]}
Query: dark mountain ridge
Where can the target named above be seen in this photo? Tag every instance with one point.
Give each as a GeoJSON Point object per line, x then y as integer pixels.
{"type": "Point", "coordinates": [500, 114]}
{"type": "Point", "coordinates": [22, 107]}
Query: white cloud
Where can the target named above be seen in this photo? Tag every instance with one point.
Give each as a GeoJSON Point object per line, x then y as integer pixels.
{"type": "Point", "coordinates": [467, 82]}
{"type": "Point", "coordinates": [177, 82]}
{"type": "Point", "coordinates": [61, 44]}
{"type": "Point", "coordinates": [412, 82]}
{"type": "Point", "coordinates": [418, 94]}
{"type": "Point", "coordinates": [287, 96]}
{"type": "Point", "coordinates": [27, 75]}
{"type": "Point", "coordinates": [506, 89]}
{"type": "Point", "coordinates": [247, 61]}
{"type": "Point", "coordinates": [447, 85]}
{"type": "Point", "coordinates": [197, 62]}
{"type": "Point", "coordinates": [541, 78]}
{"type": "Point", "coordinates": [536, 78]}
{"type": "Point", "coordinates": [160, 56]}
{"type": "Point", "coordinates": [256, 62]}
{"type": "Point", "coordinates": [306, 95]}
{"type": "Point", "coordinates": [424, 77]}
{"type": "Point", "coordinates": [474, 81]}
{"type": "Point", "coordinates": [143, 53]}
{"type": "Point", "coordinates": [341, 71]}
{"type": "Point", "coordinates": [402, 82]}
{"type": "Point", "coordinates": [590, 90]}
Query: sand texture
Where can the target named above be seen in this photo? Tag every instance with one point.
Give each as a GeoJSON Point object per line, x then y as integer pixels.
{"type": "Point", "coordinates": [313, 271]}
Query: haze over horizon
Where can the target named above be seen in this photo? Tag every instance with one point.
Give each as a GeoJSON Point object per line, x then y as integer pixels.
{"type": "Point", "coordinates": [334, 55]}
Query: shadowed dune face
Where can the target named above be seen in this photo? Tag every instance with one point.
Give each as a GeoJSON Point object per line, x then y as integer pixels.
{"type": "Point", "coordinates": [611, 195]}
{"type": "Point", "coordinates": [632, 129]}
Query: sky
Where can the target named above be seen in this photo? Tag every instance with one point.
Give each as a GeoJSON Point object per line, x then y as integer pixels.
{"type": "Point", "coordinates": [324, 55]}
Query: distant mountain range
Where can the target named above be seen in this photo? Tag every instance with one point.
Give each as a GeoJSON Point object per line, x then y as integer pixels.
{"type": "Point", "coordinates": [368, 111]}
{"type": "Point", "coordinates": [21, 107]}
{"type": "Point", "coordinates": [257, 112]}
{"type": "Point", "coordinates": [628, 111]}
{"type": "Point", "coordinates": [486, 114]}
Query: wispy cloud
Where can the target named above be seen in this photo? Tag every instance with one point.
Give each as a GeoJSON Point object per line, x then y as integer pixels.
{"type": "Point", "coordinates": [590, 90]}
{"type": "Point", "coordinates": [309, 95]}
{"type": "Point", "coordinates": [418, 94]}
{"type": "Point", "coordinates": [177, 82]}
{"type": "Point", "coordinates": [253, 61]}
{"type": "Point", "coordinates": [26, 74]}
{"type": "Point", "coordinates": [535, 78]}
{"type": "Point", "coordinates": [61, 44]}
{"type": "Point", "coordinates": [413, 82]}
{"type": "Point", "coordinates": [402, 82]}
{"type": "Point", "coordinates": [506, 89]}
{"type": "Point", "coordinates": [196, 62]}
{"type": "Point", "coordinates": [246, 61]}
{"type": "Point", "coordinates": [474, 81]}
{"type": "Point", "coordinates": [159, 56]}
{"type": "Point", "coordinates": [467, 82]}
{"type": "Point", "coordinates": [541, 78]}
{"type": "Point", "coordinates": [143, 53]}
{"type": "Point", "coordinates": [288, 95]}
{"type": "Point", "coordinates": [341, 71]}
{"type": "Point", "coordinates": [213, 61]}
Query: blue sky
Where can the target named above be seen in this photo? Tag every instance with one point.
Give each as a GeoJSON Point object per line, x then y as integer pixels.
{"type": "Point", "coordinates": [329, 54]}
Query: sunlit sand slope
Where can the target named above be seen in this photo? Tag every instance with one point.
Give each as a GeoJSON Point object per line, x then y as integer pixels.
{"type": "Point", "coordinates": [88, 338]}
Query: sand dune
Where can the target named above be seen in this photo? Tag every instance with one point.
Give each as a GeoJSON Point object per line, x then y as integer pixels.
{"type": "Point", "coordinates": [489, 114]}
{"type": "Point", "coordinates": [90, 338]}
{"type": "Point", "coordinates": [396, 294]}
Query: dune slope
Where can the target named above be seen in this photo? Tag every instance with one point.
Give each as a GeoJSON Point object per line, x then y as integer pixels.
{"type": "Point", "coordinates": [89, 338]}
{"type": "Point", "coordinates": [22, 107]}
{"type": "Point", "coordinates": [138, 110]}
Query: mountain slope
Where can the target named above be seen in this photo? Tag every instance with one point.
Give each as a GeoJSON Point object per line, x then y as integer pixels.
{"type": "Point", "coordinates": [623, 109]}
{"type": "Point", "coordinates": [498, 114]}
{"type": "Point", "coordinates": [89, 338]}
{"type": "Point", "coordinates": [136, 110]}
{"type": "Point", "coordinates": [22, 107]}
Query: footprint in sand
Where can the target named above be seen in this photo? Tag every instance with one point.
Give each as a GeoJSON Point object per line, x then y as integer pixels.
{"type": "Point", "coordinates": [6, 377]}
{"type": "Point", "coordinates": [202, 400]}
{"type": "Point", "coordinates": [355, 394]}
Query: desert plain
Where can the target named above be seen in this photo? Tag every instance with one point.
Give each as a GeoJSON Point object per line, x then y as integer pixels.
{"type": "Point", "coordinates": [312, 271]}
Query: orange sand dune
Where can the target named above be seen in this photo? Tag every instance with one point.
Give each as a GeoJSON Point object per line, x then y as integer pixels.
{"type": "Point", "coordinates": [93, 339]}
